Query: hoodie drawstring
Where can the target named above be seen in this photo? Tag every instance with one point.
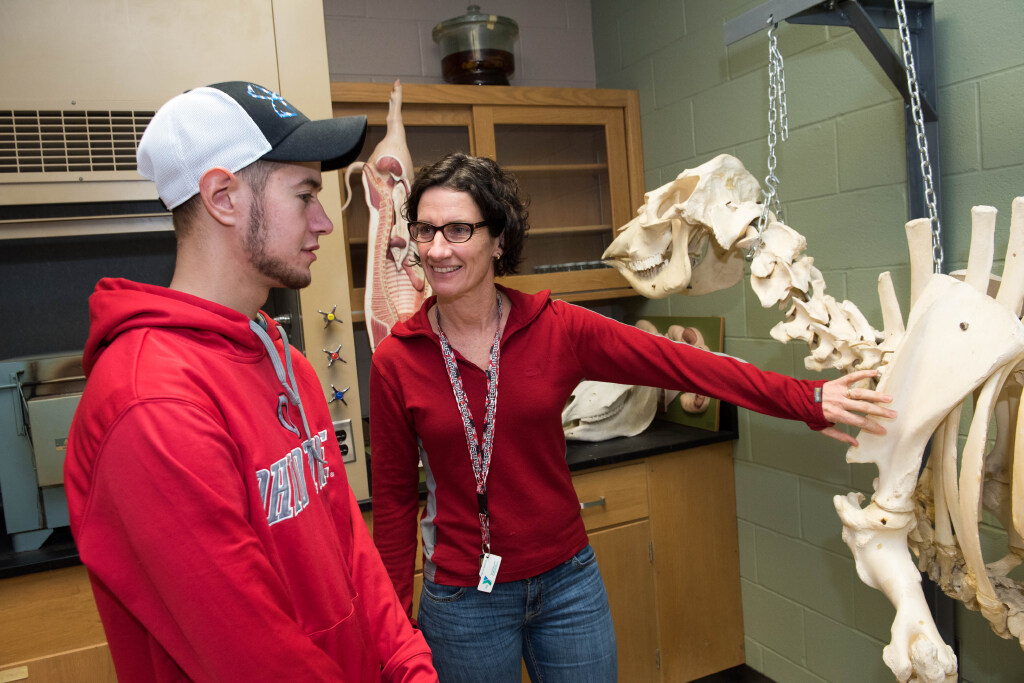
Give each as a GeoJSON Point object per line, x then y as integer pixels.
{"type": "Point", "coordinates": [287, 380]}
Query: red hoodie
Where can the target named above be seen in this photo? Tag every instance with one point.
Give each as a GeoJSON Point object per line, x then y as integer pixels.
{"type": "Point", "coordinates": [221, 536]}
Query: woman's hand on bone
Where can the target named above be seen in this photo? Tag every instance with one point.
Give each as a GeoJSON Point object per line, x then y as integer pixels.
{"type": "Point", "coordinates": [844, 403]}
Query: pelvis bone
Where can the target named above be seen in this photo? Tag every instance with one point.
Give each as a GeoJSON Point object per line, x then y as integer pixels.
{"type": "Point", "coordinates": [983, 336]}
{"type": "Point", "coordinates": [395, 285]}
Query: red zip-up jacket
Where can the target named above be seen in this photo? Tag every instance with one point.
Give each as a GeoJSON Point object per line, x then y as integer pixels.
{"type": "Point", "coordinates": [547, 348]}
{"type": "Point", "coordinates": [219, 548]}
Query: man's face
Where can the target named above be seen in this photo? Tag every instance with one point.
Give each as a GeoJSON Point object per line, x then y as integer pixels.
{"type": "Point", "coordinates": [286, 221]}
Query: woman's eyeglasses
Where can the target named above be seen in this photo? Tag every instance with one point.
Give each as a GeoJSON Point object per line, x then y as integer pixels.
{"type": "Point", "coordinates": [453, 232]}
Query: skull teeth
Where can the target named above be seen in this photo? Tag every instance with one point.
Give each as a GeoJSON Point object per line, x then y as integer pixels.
{"type": "Point", "coordinates": [609, 412]}
{"type": "Point", "coordinates": [649, 274]}
{"type": "Point", "coordinates": [594, 419]}
{"type": "Point", "coordinates": [647, 268]}
{"type": "Point", "coordinates": [638, 265]}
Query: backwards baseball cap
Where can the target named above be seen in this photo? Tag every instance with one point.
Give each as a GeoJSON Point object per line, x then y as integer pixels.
{"type": "Point", "coordinates": [232, 125]}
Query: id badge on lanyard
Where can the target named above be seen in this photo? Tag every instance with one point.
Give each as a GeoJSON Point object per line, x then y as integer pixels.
{"type": "Point", "coordinates": [488, 572]}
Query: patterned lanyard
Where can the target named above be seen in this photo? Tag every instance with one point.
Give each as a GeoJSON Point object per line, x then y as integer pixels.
{"type": "Point", "coordinates": [479, 454]}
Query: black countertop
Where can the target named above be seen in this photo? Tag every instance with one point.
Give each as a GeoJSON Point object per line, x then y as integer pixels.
{"type": "Point", "coordinates": [661, 437]}
{"type": "Point", "coordinates": [58, 551]}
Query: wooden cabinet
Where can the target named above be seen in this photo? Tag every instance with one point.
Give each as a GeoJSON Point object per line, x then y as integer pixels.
{"type": "Point", "coordinates": [664, 531]}
{"type": "Point", "coordinates": [696, 561]}
{"type": "Point", "coordinates": [51, 631]}
{"type": "Point", "coordinates": [577, 154]}
{"type": "Point", "coordinates": [616, 510]}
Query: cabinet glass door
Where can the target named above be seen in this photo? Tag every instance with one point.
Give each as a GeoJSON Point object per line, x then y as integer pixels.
{"type": "Point", "coordinates": [568, 147]}
{"type": "Point", "coordinates": [563, 169]}
{"type": "Point", "coordinates": [571, 165]}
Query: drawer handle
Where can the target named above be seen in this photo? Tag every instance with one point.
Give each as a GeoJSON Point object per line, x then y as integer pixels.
{"type": "Point", "coordinates": [592, 503]}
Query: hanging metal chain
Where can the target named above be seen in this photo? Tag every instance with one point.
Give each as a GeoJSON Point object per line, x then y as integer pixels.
{"type": "Point", "coordinates": [922, 140]}
{"type": "Point", "coordinates": [775, 60]}
{"type": "Point", "coordinates": [778, 128]}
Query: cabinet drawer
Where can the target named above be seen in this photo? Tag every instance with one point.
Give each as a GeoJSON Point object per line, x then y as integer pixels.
{"type": "Point", "coordinates": [612, 496]}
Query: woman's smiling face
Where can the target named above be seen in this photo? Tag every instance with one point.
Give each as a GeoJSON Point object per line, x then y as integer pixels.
{"type": "Point", "coordinates": [454, 270]}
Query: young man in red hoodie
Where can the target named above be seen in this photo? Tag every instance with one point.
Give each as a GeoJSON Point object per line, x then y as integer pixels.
{"type": "Point", "coordinates": [205, 486]}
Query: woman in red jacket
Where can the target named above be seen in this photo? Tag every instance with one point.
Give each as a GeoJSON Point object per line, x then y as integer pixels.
{"type": "Point", "coordinates": [508, 571]}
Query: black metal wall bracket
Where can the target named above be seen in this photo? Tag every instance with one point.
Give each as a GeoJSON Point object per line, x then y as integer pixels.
{"type": "Point", "coordinates": [867, 18]}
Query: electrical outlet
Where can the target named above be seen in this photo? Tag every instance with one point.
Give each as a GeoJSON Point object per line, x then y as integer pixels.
{"type": "Point", "coordinates": [343, 432]}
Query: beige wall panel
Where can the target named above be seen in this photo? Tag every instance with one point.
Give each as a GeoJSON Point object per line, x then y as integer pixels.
{"type": "Point", "coordinates": [133, 54]}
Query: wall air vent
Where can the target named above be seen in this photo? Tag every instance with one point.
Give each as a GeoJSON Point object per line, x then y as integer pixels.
{"type": "Point", "coordinates": [70, 141]}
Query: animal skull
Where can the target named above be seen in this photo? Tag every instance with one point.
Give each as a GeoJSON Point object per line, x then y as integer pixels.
{"type": "Point", "coordinates": [597, 411]}
{"type": "Point", "coordinates": [603, 410]}
{"type": "Point", "coordinates": [680, 241]}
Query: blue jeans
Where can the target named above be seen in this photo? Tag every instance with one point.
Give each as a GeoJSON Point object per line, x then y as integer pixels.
{"type": "Point", "coordinates": [558, 623]}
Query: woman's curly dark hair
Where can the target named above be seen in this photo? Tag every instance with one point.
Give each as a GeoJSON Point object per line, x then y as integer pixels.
{"type": "Point", "coordinates": [496, 193]}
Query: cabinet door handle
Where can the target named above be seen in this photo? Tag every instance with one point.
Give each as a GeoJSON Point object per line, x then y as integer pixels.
{"type": "Point", "coordinates": [592, 503]}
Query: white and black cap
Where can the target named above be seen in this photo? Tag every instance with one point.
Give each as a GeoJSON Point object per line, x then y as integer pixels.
{"type": "Point", "coordinates": [232, 125]}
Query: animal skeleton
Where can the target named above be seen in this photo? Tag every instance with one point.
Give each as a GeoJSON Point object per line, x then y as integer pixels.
{"type": "Point", "coordinates": [949, 318]}
{"type": "Point", "coordinates": [706, 214]}
{"type": "Point", "coordinates": [395, 285]}
{"type": "Point", "coordinates": [973, 317]}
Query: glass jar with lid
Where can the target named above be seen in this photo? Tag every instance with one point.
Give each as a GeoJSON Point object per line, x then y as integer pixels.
{"type": "Point", "coordinates": [476, 48]}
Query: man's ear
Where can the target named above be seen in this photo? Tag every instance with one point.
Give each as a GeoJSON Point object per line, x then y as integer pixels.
{"type": "Point", "coordinates": [219, 191]}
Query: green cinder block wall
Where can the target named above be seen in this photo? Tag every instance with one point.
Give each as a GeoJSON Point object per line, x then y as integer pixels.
{"type": "Point", "coordinates": [807, 616]}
